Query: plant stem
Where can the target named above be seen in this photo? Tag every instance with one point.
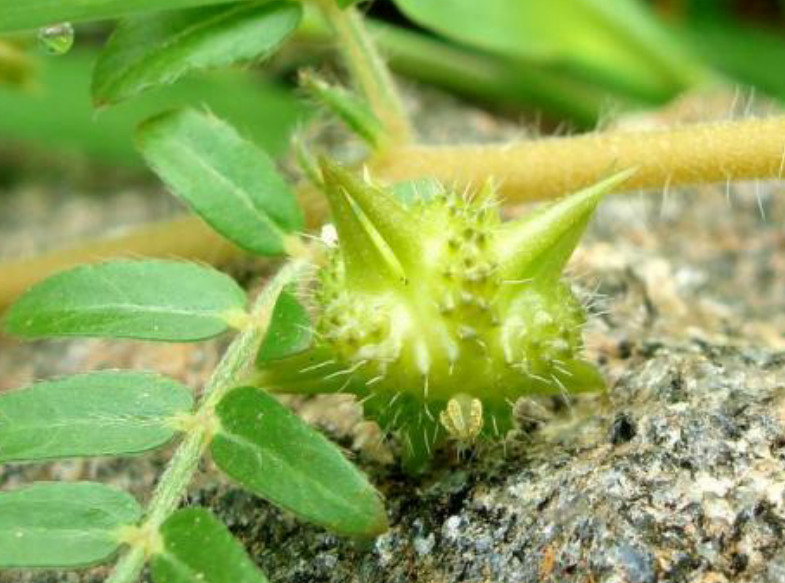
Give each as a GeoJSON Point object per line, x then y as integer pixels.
{"type": "Point", "coordinates": [175, 480]}
{"type": "Point", "coordinates": [368, 69]}
{"type": "Point", "coordinates": [552, 167]}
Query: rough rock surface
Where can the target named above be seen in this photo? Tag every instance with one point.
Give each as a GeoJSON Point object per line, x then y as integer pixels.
{"type": "Point", "coordinates": [677, 474]}
{"type": "Point", "coordinates": [679, 477]}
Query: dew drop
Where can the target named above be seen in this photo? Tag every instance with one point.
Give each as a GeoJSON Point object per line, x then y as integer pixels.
{"type": "Point", "coordinates": [56, 39]}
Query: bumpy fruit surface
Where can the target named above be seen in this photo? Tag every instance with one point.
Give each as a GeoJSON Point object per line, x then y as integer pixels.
{"type": "Point", "coordinates": [437, 314]}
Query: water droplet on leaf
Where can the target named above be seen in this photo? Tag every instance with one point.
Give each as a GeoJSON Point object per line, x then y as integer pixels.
{"type": "Point", "coordinates": [56, 39]}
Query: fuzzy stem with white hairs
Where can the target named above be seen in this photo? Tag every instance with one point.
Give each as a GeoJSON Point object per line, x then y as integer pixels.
{"type": "Point", "coordinates": [552, 167]}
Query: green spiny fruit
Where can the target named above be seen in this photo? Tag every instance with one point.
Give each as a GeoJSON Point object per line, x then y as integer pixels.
{"type": "Point", "coordinates": [435, 313]}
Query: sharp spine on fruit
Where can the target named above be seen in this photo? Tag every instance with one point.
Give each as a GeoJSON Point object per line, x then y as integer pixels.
{"type": "Point", "coordinates": [435, 302]}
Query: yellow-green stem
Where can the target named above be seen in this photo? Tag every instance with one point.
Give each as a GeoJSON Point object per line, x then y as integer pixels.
{"type": "Point", "coordinates": [175, 480]}
{"type": "Point", "coordinates": [368, 69]}
{"type": "Point", "coordinates": [552, 167]}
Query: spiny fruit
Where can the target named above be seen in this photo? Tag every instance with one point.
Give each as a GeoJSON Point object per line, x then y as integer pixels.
{"type": "Point", "coordinates": [434, 312]}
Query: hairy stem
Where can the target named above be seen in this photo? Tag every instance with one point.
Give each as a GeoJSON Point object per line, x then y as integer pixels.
{"type": "Point", "coordinates": [551, 167]}
{"type": "Point", "coordinates": [175, 480]}
{"type": "Point", "coordinates": [367, 68]}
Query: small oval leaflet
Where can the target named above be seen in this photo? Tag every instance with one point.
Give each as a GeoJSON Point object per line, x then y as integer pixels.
{"type": "Point", "coordinates": [149, 299]}
{"type": "Point", "coordinates": [227, 180]}
{"type": "Point", "coordinates": [198, 548]}
{"type": "Point", "coordinates": [273, 453]}
{"type": "Point", "coordinates": [150, 51]}
{"type": "Point", "coordinates": [56, 39]}
{"type": "Point", "coordinates": [103, 413]}
{"type": "Point", "coordinates": [58, 524]}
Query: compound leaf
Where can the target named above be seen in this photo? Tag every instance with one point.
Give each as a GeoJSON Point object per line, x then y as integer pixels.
{"type": "Point", "coordinates": [157, 50]}
{"type": "Point", "coordinates": [198, 548]}
{"type": "Point", "coordinates": [102, 413]}
{"type": "Point", "coordinates": [273, 453]}
{"type": "Point", "coordinates": [145, 299]}
{"type": "Point", "coordinates": [57, 524]}
{"type": "Point", "coordinates": [228, 181]}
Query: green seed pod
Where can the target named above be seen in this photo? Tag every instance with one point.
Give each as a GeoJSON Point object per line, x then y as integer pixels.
{"type": "Point", "coordinates": [437, 315]}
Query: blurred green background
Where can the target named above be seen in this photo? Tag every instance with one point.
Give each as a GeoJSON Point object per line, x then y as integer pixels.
{"type": "Point", "coordinates": [565, 61]}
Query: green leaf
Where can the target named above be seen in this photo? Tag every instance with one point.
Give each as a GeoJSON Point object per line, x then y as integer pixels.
{"type": "Point", "coordinates": [36, 13]}
{"type": "Point", "coordinates": [158, 50]}
{"type": "Point", "coordinates": [352, 110]}
{"type": "Point", "coordinates": [145, 299]}
{"type": "Point", "coordinates": [290, 329]}
{"type": "Point", "coordinates": [56, 524]}
{"type": "Point", "coordinates": [103, 413]}
{"type": "Point", "coordinates": [198, 548]}
{"type": "Point", "coordinates": [229, 182]}
{"type": "Point", "coordinates": [745, 53]}
{"type": "Point", "coordinates": [273, 453]}
{"type": "Point", "coordinates": [619, 43]}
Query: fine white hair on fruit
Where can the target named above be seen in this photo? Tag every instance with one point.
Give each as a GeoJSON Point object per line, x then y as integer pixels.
{"type": "Point", "coordinates": [435, 313]}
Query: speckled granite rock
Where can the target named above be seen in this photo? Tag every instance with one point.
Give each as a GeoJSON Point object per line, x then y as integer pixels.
{"type": "Point", "coordinates": [677, 476]}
